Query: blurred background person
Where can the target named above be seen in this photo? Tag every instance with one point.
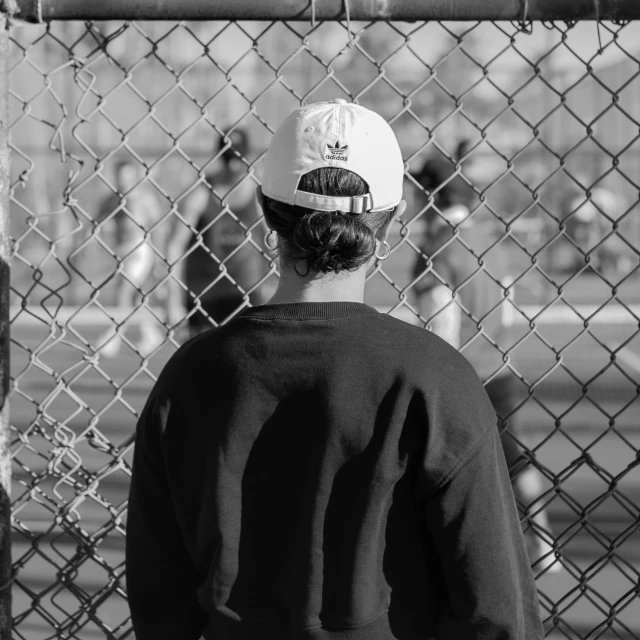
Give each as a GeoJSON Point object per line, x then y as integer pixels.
{"type": "Point", "coordinates": [456, 321]}
{"type": "Point", "coordinates": [586, 224]}
{"type": "Point", "coordinates": [208, 238]}
{"type": "Point", "coordinates": [439, 177]}
{"type": "Point", "coordinates": [131, 212]}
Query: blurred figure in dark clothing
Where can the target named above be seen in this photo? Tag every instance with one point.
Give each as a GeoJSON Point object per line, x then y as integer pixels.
{"type": "Point", "coordinates": [221, 265]}
{"type": "Point", "coordinates": [438, 176]}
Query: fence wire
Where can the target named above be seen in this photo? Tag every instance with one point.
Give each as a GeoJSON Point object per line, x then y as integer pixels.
{"type": "Point", "coordinates": [136, 149]}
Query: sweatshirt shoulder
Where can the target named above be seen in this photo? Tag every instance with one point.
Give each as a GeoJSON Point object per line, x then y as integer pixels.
{"type": "Point", "coordinates": [449, 398]}
{"type": "Point", "coordinates": [423, 349]}
{"type": "Point", "coordinates": [196, 353]}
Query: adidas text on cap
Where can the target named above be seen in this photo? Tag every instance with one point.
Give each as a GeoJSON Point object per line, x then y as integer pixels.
{"type": "Point", "coordinates": [334, 134]}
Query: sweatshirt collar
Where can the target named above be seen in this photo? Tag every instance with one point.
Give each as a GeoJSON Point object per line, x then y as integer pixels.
{"type": "Point", "coordinates": [307, 310]}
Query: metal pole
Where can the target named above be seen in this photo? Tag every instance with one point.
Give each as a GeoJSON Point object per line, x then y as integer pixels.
{"type": "Point", "coordinates": [39, 10]}
{"type": "Point", "coordinates": [5, 453]}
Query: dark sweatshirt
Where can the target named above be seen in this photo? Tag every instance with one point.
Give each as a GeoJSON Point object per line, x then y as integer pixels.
{"type": "Point", "coordinates": [323, 471]}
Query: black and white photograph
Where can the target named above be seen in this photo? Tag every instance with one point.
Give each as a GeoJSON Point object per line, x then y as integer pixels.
{"type": "Point", "coordinates": [320, 320]}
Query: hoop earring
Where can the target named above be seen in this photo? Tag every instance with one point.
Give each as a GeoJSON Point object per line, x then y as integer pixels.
{"type": "Point", "coordinates": [386, 255]}
{"type": "Point", "coordinates": [266, 240]}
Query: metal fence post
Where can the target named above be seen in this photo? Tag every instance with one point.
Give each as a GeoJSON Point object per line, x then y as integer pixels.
{"type": "Point", "coordinates": [5, 455]}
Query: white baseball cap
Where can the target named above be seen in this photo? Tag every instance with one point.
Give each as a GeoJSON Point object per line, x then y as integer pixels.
{"type": "Point", "coordinates": [334, 134]}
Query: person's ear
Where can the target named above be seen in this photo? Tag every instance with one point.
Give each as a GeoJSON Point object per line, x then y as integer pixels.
{"type": "Point", "coordinates": [260, 201]}
{"type": "Point", "coordinates": [399, 210]}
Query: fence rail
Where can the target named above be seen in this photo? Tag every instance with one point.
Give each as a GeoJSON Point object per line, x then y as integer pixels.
{"type": "Point", "coordinates": [305, 10]}
{"type": "Point", "coordinates": [136, 147]}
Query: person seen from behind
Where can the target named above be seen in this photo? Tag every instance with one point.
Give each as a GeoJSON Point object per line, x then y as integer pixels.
{"type": "Point", "coordinates": [481, 301]}
{"type": "Point", "coordinates": [314, 468]}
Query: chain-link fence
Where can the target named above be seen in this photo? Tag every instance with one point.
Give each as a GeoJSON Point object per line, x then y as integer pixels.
{"type": "Point", "coordinates": [136, 148]}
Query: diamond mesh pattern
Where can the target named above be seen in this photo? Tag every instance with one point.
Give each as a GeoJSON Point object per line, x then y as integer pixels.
{"type": "Point", "coordinates": [552, 168]}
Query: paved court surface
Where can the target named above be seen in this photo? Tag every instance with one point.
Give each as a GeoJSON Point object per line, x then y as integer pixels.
{"type": "Point", "coordinates": [594, 506]}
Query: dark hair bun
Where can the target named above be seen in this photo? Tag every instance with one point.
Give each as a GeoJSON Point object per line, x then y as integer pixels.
{"type": "Point", "coordinates": [329, 241]}
{"type": "Point", "coordinates": [333, 241]}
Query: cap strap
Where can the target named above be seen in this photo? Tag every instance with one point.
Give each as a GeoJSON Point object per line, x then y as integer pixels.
{"type": "Point", "coordinates": [355, 204]}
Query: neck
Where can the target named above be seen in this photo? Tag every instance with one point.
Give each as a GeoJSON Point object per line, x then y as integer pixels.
{"type": "Point", "coordinates": [318, 287]}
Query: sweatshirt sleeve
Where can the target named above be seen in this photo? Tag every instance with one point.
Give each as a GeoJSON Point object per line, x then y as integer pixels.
{"type": "Point", "coordinates": [161, 578]}
{"type": "Point", "coordinates": [474, 524]}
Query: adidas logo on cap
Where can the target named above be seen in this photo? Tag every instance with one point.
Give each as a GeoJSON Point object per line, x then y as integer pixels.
{"type": "Point", "coordinates": [336, 152]}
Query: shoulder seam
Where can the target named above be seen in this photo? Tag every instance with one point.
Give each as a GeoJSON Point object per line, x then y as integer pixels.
{"type": "Point", "coordinates": [463, 462]}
